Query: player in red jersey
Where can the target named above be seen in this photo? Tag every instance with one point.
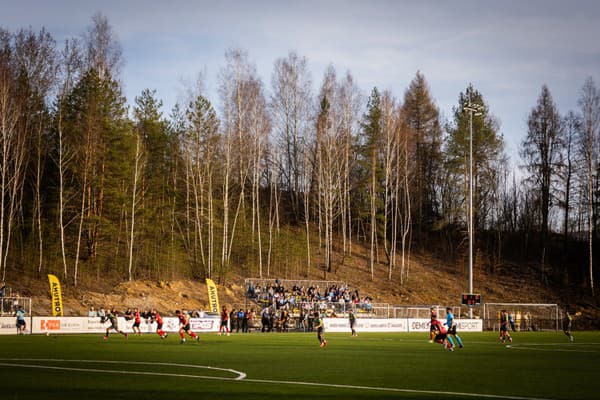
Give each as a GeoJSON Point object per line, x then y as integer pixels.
{"type": "Point", "coordinates": [433, 315]}
{"type": "Point", "coordinates": [224, 321]}
{"type": "Point", "coordinates": [137, 319]}
{"type": "Point", "coordinates": [441, 335]}
{"type": "Point", "coordinates": [155, 317]}
{"type": "Point", "coordinates": [184, 326]}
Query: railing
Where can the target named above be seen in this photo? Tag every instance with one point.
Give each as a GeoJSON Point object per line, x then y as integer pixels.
{"type": "Point", "coordinates": [288, 284]}
{"type": "Point", "coordinates": [424, 311]}
{"type": "Point", "coordinates": [11, 304]}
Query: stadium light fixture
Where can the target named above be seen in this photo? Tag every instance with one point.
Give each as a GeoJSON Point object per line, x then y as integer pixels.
{"type": "Point", "coordinates": [472, 109]}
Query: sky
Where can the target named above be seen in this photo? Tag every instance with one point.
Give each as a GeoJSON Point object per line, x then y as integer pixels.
{"type": "Point", "coordinates": [506, 49]}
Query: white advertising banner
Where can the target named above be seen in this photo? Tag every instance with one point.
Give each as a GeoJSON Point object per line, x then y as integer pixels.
{"type": "Point", "coordinates": [462, 325]}
{"type": "Point", "coordinates": [8, 325]}
{"type": "Point", "coordinates": [469, 325]}
{"type": "Point", "coordinates": [396, 325]}
{"type": "Point", "coordinates": [418, 324]}
{"type": "Point", "coordinates": [93, 325]}
{"type": "Point", "coordinates": [54, 325]}
{"type": "Point", "coordinates": [366, 325]}
{"type": "Point", "coordinates": [205, 324]}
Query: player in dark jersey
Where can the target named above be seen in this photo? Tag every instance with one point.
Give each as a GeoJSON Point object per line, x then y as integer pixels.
{"type": "Point", "coordinates": [352, 319]}
{"type": "Point", "coordinates": [504, 325]}
{"type": "Point", "coordinates": [567, 325]}
{"type": "Point", "coordinates": [441, 335]}
{"type": "Point", "coordinates": [155, 317]}
{"type": "Point", "coordinates": [318, 324]}
{"type": "Point", "coordinates": [184, 326]}
{"type": "Point", "coordinates": [137, 319]}
{"type": "Point", "coordinates": [113, 317]}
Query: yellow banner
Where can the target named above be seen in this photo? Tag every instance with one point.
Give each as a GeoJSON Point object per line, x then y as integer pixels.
{"type": "Point", "coordinates": [56, 294]}
{"type": "Point", "coordinates": [213, 297]}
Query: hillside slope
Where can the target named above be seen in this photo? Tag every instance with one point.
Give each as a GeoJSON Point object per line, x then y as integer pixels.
{"type": "Point", "coordinates": [427, 282]}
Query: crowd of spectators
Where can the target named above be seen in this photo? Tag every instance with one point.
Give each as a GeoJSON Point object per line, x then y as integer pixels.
{"type": "Point", "coordinates": [299, 298]}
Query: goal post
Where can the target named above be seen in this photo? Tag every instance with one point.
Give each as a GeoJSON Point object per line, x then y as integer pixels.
{"type": "Point", "coordinates": [523, 316]}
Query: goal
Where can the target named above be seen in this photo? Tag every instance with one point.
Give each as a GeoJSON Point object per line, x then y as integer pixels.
{"type": "Point", "coordinates": [524, 316]}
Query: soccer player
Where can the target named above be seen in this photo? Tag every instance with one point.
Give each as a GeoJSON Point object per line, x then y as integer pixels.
{"type": "Point", "coordinates": [21, 324]}
{"type": "Point", "coordinates": [285, 316]}
{"type": "Point", "coordinates": [155, 317]}
{"type": "Point", "coordinates": [504, 324]}
{"type": "Point", "coordinates": [113, 317]}
{"type": "Point", "coordinates": [320, 329]}
{"type": "Point", "coordinates": [224, 321]}
{"type": "Point", "coordinates": [240, 320]}
{"type": "Point", "coordinates": [433, 316]}
{"type": "Point", "coordinates": [567, 325]}
{"type": "Point", "coordinates": [441, 335]}
{"type": "Point", "coordinates": [352, 319]}
{"type": "Point", "coordinates": [184, 326]}
{"type": "Point", "coordinates": [451, 324]}
{"type": "Point", "coordinates": [137, 318]}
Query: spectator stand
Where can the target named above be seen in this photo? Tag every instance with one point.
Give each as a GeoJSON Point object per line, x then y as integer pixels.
{"type": "Point", "coordinates": [301, 298]}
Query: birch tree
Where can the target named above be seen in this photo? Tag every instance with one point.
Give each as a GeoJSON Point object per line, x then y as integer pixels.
{"type": "Point", "coordinates": [290, 109]}
{"type": "Point", "coordinates": [12, 147]}
{"type": "Point", "coordinates": [138, 171]}
{"type": "Point", "coordinates": [36, 63]}
{"type": "Point", "coordinates": [69, 67]}
{"type": "Point", "coordinates": [589, 104]}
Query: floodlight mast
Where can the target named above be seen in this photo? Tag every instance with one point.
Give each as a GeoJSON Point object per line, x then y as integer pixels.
{"type": "Point", "coordinates": [477, 110]}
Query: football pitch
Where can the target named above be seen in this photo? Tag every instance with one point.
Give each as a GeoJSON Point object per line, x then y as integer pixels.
{"type": "Point", "coordinates": [293, 366]}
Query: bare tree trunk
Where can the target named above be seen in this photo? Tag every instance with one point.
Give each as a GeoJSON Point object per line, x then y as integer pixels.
{"type": "Point", "coordinates": [9, 114]}
{"type": "Point", "coordinates": [307, 194]}
{"type": "Point", "coordinates": [62, 161]}
{"type": "Point", "coordinates": [137, 172]}
{"type": "Point", "coordinates": [271, 221]}
{"type": "Point", "coordinates": [211, 224]}
{"type": "Point", "coordinates": [38, 198]}
{"type": "Point", "coordinates": [591, 220]}
{"type": "Point", "coordinates": [80, 229]}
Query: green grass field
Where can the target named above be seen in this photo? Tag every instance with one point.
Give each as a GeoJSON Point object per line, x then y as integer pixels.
{"type": "Point", "coordinates": [293, 366]}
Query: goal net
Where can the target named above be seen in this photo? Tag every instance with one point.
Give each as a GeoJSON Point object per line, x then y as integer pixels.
{"type": "Point", "coordinates": [523, 316]}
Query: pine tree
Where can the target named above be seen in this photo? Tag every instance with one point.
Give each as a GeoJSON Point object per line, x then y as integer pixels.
{"type": "Point", "coordinates": [421, 117]}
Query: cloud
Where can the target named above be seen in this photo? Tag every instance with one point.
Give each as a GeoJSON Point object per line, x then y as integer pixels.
{"type": "Point", "coordinates": [506, 49]}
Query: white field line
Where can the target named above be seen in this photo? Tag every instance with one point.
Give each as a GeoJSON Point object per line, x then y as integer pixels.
{"type": "Point", "coordinates": [240, 375]}
{"type": "Point", "coordinates": [566, 343]}
{"type": "Point", "coordinates": [490, 342]}
{"type": "Point", "coordinates": [526, 347]}
{"type": "Point", "coordinates": [242, 378]}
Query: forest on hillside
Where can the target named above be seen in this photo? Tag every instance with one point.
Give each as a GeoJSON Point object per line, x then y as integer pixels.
{"type": "Point", "coordinates": [273, 176]}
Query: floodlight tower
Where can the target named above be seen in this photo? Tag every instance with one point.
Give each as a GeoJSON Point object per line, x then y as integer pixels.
{"type": "Point", "coordinates": [472, 109]}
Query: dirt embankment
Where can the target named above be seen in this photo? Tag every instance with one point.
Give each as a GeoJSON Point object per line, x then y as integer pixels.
{"type": "Point", "coordinates": [165, 296]}
{"type": "Point", "coordinates": [424, 282]}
